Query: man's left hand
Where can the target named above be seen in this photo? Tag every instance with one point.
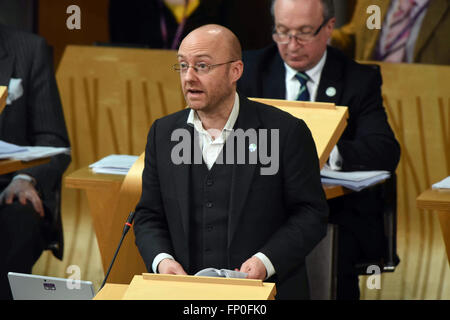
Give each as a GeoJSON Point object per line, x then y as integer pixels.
{"type": "Point", "coordinates": [24, 191]}
{"type": "Point", "coordinates": [255, 268]}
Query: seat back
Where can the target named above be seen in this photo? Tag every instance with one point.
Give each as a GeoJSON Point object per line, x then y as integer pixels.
{"type": "Point", "coordinates": [321, 265]}
{"type": "Point", "coordinates": [390, 259]}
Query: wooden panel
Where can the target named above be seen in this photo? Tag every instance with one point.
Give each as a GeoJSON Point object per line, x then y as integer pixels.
{"type": "Point", "coordinates": [417, 102]}
{"type": "Point", "coordinates": [112, 95]}
{"type": "Point", "coordinates": [3, 96]}
{"type": "Point", "coordinates": [52, 26]}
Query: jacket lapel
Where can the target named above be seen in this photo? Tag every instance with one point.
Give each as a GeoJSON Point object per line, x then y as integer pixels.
{"type": "Point", "coordinates": [6, 64]}
{"type": "Point", "coordinates": [242, 175]}
{"type": "Point", "coordinates": [6, 72]}
{"type": "Point", "coordinates": [330, 86]}
{"type": "Point", "coordinates": [181, 174]}
{"type": "Point", "coordinates": [435, 12]}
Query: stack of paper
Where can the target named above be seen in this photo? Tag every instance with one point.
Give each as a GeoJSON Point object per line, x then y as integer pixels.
{"type": "Point", "coordinates": [444, 184]}
{"type": "Point", "coordinates": [9, 148]}
{"type": "Point", "coordinates": [114, 164]}
{"type": "Point", "coordinates": [12, 151]}
{"type": "Point", "coordinates": [354, 180]}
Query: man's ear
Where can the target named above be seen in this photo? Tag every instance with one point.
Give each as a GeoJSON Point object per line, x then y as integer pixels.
{"type": "Point", "coordinates": [236, 70]}
{"type": "Point", "coordinates": [330, 26]}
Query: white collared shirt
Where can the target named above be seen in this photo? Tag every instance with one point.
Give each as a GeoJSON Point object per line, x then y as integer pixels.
{"type": "Point", "coordinates": [210, 147]}
{"type": "Point", "coordinates": [293, 85]}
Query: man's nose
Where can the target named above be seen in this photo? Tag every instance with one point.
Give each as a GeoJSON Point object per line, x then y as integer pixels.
{"type": "Point", "coordinates": [190, 74]}
{"type": "Point", "coordinates": [293, 44]}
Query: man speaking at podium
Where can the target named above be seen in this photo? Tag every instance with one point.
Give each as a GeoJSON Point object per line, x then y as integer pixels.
{"type": "Point", "coordinates": [204, 212]}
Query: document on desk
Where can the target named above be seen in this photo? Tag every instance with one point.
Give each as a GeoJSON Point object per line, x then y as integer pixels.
{"type": "Point", "coordinates": [354, 180]}
{"type": "Point", "coordinates": [28, 153]}
{"type": "Point", "coordinates": [9, 148]}
{"type": "Point", "coordinates": [443, 184]}
{"type": "Point", "coordinates": [114, 164]}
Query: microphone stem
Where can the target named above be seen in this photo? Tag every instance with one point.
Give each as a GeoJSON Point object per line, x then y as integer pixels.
{"type": "Point", "coordinates": [114, 258]}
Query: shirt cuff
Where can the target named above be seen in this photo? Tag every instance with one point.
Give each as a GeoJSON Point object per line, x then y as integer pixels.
{"type": "Point", "coordinates": [158, 259]}
{"type": "Point", "coordinates": [270, 270]}
{"type": "Point", "coordinates": [26, 177]}
{"type": "Point", "coordinates": [335, 160]}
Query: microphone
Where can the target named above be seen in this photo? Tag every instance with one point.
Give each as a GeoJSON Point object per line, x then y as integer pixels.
{"type": "Point", "coordinates": [126, 228]}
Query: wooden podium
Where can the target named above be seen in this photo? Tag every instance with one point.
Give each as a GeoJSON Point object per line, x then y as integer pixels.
{"type": "Point", "coordinates": [326, 121]}
{"type": "Point", "coordinates": [149, 286]}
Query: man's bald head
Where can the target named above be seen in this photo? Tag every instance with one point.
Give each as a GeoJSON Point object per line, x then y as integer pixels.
{"type": "Point", "coordinates": [211, 56]}
{"type": "Point", "coordinates": [218, 37]}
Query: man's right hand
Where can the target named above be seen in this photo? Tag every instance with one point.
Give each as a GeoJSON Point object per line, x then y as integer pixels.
{"type": "Point", "coordinates": [169, 266]}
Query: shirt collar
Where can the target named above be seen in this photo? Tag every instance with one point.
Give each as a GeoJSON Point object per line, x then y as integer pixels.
{"type": "Point", "coordinates": [194, 120]}
{"type": "Point", "coordinates": [313, 73]}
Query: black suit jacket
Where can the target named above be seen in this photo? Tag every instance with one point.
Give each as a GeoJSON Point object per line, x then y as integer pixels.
{"type": "Point", "coordinates": [367, 143]}
{"type": "Point", "coordinates": [36, 118]}
{"type": "Point", "coordinates": [282, 215]}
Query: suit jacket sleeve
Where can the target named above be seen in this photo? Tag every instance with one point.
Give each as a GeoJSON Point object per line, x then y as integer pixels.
{"type": "Point", "coordinates": [369, 143]}
{"type": "Point", "coordinates": [150, 228]}
{"type": "Point", "coordinates": [304, 201]}
{"type": "Point", "coordinates": [45, 119]}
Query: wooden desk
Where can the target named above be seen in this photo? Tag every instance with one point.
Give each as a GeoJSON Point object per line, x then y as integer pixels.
{"type": "Point", "coordinates": [111, 291]}
{"type": "Point", "coordinates": [438, 200]}
{"type": "Point", "coordinates": [8, 165]}
{"type": "Point", "coordinates": [102, 191]}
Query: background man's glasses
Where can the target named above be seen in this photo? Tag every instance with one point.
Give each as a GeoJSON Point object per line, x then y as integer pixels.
{"type": "Point", "coordinates": [200, 68]}
{"type": "Point", "coordinates": [302, 37]}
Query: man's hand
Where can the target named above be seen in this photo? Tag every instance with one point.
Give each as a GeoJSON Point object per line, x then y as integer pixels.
{"type": "Point", "coordinates": [169, 266]}
{"type": "Point", "coordinates": [255, 268]}
{"type": "Point", "coordinates": [24, 191]}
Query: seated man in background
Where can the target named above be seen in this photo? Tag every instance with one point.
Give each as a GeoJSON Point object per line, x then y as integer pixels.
{"type": "Point", "coordinates": [33, 116]}
{"type": "Point", "coordinates": [210, 212]}
{"type": "Point", "coordinates": [300, 66]}
{"type": "Point", "coordinates": [412, 31]}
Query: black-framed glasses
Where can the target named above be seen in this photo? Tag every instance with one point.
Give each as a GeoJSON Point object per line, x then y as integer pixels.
{"type": "Point", "coordinates": [284, 38]}
{"type": "Point", "coordinates": [200, 68]}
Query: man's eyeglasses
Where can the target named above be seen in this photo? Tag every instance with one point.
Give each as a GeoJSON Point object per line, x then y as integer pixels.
{"type": "Point", "coordinates": [200, 68]}
{"type": "Point", "coordinates": [284, 38]}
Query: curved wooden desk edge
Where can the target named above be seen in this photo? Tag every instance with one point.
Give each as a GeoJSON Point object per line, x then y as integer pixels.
{"type": "Point", "coordinates": [11, 165]}
{"type": "Point", "coordinates": [434, 199]}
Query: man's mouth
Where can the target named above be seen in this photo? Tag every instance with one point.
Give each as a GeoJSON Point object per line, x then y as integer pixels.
{"type": "Point", "coordinates": [194, 92]}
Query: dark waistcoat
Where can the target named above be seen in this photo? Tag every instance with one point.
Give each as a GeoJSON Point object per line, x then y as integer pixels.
{"type": "Point", "coordinates": [210, 198]}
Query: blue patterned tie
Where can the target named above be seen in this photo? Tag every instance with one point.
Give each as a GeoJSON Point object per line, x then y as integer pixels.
{"type": "Point", "coordinates": [303, 94]}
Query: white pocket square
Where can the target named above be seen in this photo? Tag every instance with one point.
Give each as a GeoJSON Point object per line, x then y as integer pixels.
{"type": "Point", "coordinates": [15, 90]}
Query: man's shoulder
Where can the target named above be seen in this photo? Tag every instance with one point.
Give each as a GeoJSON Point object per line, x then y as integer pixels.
{"type": "Point", "coordinates": [353, 68]}
{"type": "Point", "coordinates": [174, 119]}
{"type": "Point", "coordinates": [260, 57]}
{"type": "Point", "coordinates": [13, 37]}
